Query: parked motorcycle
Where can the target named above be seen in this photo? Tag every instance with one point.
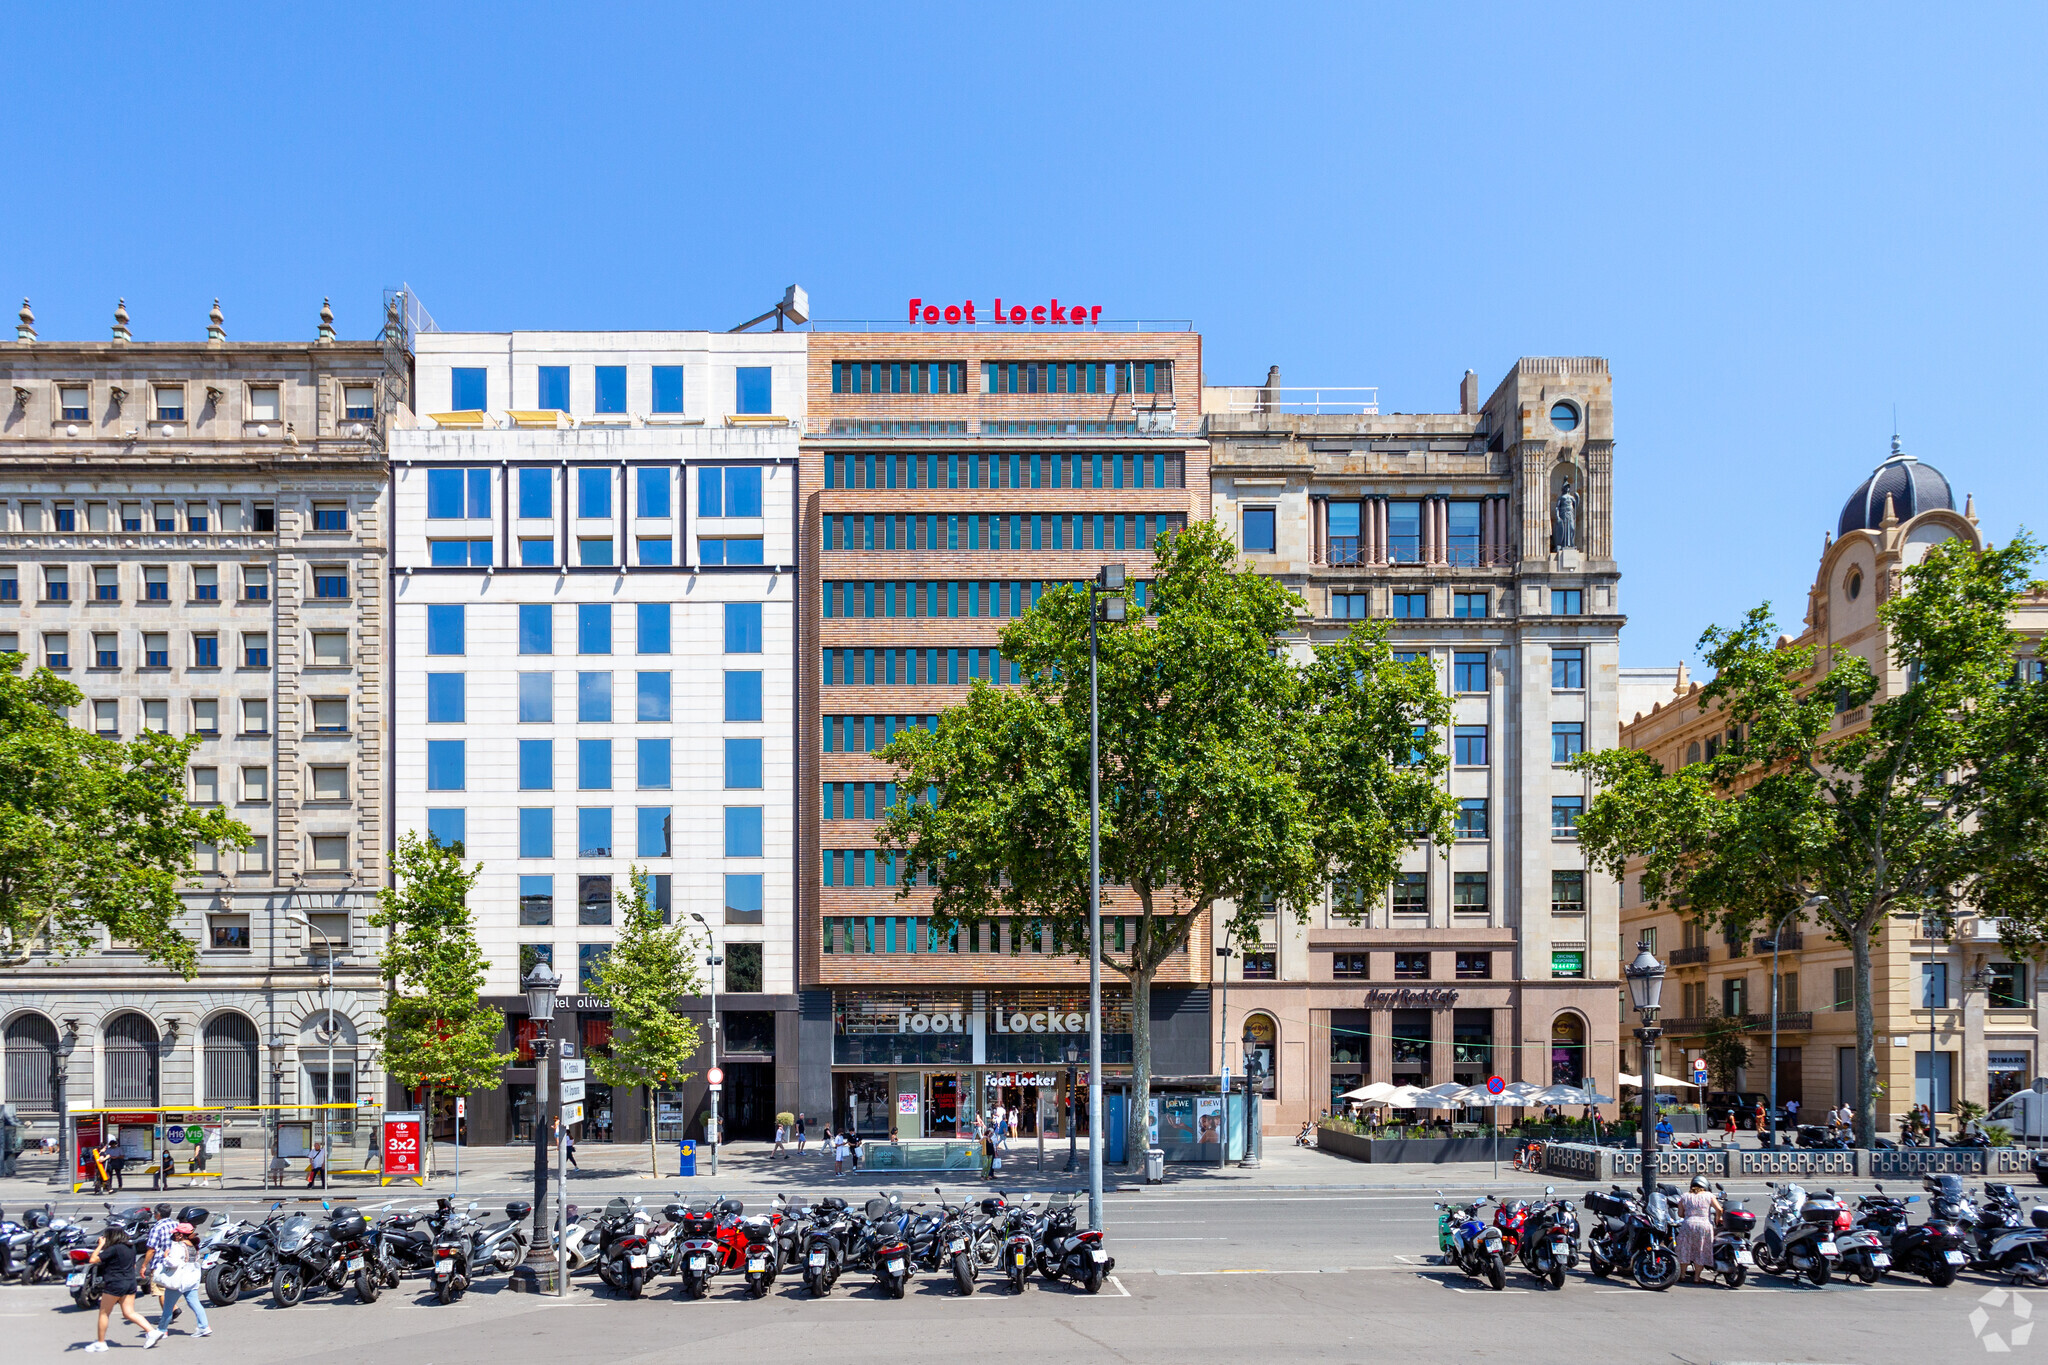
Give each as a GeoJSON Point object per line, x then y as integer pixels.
{"type": "Point", "coordinates": [1466, 1240]}
{"type": "Point", "coordinates": [697, 1254]}
{"type": "Point", "coordinates": [1796, 1242]}
{"type": "Point", "coordinates": [451, 1273]}
{"type": "Point", "coordinates": [1635, 1233]}
{"type": "Point", "coordinates": [1068, 1251]}
{"type": "Point", "coordinates": [1548, 1238]}
{"type": "Point", "coordinates": [883, 1249]}
{"type": "Point", "coordinates": [1935, 1248]}
{"type": "Point", "coordinates": [2001, 1241]}
{"type": "Point", "coordinates": [84, 1277]}
{"type": "Point", "coordinates": [244, 1257]}
{"type": "Point", "coordinates": [312, 1257]}
{"type": "Point", "coordinates": [1018, 1228]}
{"type": "Point", "coordinates": [827, 1240]}
{"type": "Point", "coordinates": [1733, 1228]}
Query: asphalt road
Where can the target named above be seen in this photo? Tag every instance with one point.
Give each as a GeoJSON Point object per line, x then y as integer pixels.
{"type": "Point", "coordinates": [1200, 1276]}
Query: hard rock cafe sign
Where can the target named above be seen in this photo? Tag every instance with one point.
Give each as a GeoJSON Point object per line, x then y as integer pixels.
{"type": "Point", "coordinates": [1411, 998]}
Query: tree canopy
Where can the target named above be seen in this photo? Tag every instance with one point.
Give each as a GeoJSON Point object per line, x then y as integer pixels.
{"type": "Point", "coordinates": [1231, 773]}
{"type": "Point", "coordinates": [642, 981]}
{"type": "Point", "coordinates": [95, 833]}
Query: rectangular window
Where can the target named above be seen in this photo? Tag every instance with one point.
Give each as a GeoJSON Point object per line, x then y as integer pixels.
{"type": "Point", "coordinates": [536, 765]}
{"type": "Point", "coordinates": [255, 784]}
{"type": "Point", "coordinates": [255, 584]}
{"type": "Point", "coordinates": [611, 388]}
{"type": "Point", "coordinates": [1410, 606]}
{"type": "Point", "coordinates": [730, 550]}
{"type": "Point", "coordinates": [156, 650]}
{"type": "Point", "coordinates": [593, 906]}
{"type": "Point", "coordinates": [1475, 966]}
{"type": "Point", "coordinates": [753, 390]}
{"type": "Point", "coordinates": [330, 852]}
{"type": "Point", "coordinates": [206, 786]}
{"type": "Point", "coordinates": [256, 857]}
{"type": "Point", "coordinates": [1468, 671]}
{"type": "Point", "coordinates": [742, 764]}
{"type": "Point", "coordinates": [655, 550]}
{"type": "Point", "coordinates": [1259, 965]}
{"type": "Point", "coordinates": [1350, 966]}
{"type": "Point", "coordinates": [330, 516]}
{"type": "Point", "coordinates": [57, 649]}
{"type": "Point", "coordinates": [594, 832]}
{"type": "Point", "coordinates": [742, 902]}
{"type": "Point", "coordinates": [590, 956]}
{"type": "Point", "coordinates": [1933, 985]}
{"type": "Point", "coordinates": [447, 827]}
{"type": "Point", "coordinates": [445, 765]}
{"type": "Point", "coordinates": [536, 899]}
{"type": "Point", "coordinates": [445, 630]}
{"type": "Point", "coordinates": [106, 651]}
{"type": "Point", "coordinates": [255, 715]}
{"type": "Point", "coordinates": [594, 697]}
{"type": "Point", "coordinates": [170, 402]}
{"type": "Point", "coordinates": [1411, 966]}
{"type": "Point", "coordinates": [1468, 604]}
{"type": "Point", "coordinates": [668, 388]}
{"type": "Point", "coordinates": [594, 552]}
{"type": "Point", "coordinates": [651, 829]}
{"type": "Point", "coordinates": [653, 636]}
{"type": "Point", "coordinates": [536, 492]}
{"type": "Point", "coordinates": [593, 492]}
{"type": "Point", "coordinates": [536, 628]}
{"type": "Point", "coordinates": [537, 832]}
{"type": "Point", "coordinates": [1411, 893]}
{"type": "Point", "coordinates": [593, 628]}
{"type": "Point", "coordinates": [106, 584]}
{"type": "Point", "coordinates": [74, 403]}
{"type": "Point", "coordinates": [552, 388]}
{"type": "Point", "coordinates": [1567, 893]}
{"type": "Point", "coordinates": [1567, 739]}
{"type": "Point", "coordinates": [536, 697]}
{"type": "Point", "coordinates": [651, 489]}
{"type": "Point", "coordinates": [711, 491]}
{"type": "Point", "coordinates": [1349, 606]}
{"type": "Point", "coordinates": [205, 583]}
{"type": "Point", "coordinates": [206, 651]}
{"type": "Point", "coordinates": [2007, 989]}
{"type": "Point", "coordinates": [1735, 996]}
{"type": "Point", "coordinates": [445, 698]}
{"type": "Point", "coordinates": [594, 765]}
{"type": "Point", "coordinates": [205, 716]}
{"type": "Point", "coordinates": [743, 832]}
{"type": "Point", "coordinates": [1259, 531]}
{"type": "Point", "coordinates": [653, 772]}
{"type": "Point", "coordinates": [742, 695]}
{"type": "Point", "coordinates": [1471, 818]}
{"type": "Point", "coordinates": [1564, 816]}
{"type": "Point", "coordinates": [653, 697]}
{"type": "Point", "coordinates": [1404, 532]}
{"type": "Point", "coordinates": [1469, 746]}
{"type": "Point", "coordinates": [453, 494]}
{"type": "Point", "coordinates": [358, 403]}
{"type": "Point", "coordinates": [1566, 602]}
{"type": "Point", "coordinates": [1567, 669]}
{"type": "Point", "coordinates": [742, 492]}
{"type": "Point", "coordinates": [1468, 893]}
{"type": "Point", "coordinates": [536, 552]}
{"type": "Point", "coordinates": [468, 389]}
{"type": "Point", "coordinates": [743, 627]}
{"type": "Point", "coordinates": [1845, 990]}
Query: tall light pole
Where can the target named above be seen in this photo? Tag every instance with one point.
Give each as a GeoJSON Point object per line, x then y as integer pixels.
{"type": "Point", "coordinates": [60, 1067]}
{"type": "Point", "coordinates": [541, 986]}
{"type": "Point", "coordinates": [1223, 956]}
{"type": "Point", "coordinates": [1254, 1081]}
{"type": "Point", "coordinates": [711, 962]}
{"type": "Point", "coordinates": [1105, 603]}
{"type": "Point", "coordinates": [1777, 942]}
{"type": "Point", "coordinates": [326, 1138]}
{"type": "Point", "coordinates": [1646, 993]}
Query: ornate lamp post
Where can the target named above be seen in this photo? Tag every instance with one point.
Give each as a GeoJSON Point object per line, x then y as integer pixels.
{"type": "Point", "coordinates": [60, 1066]}
{"type": "Point", "coordinates": [542, 985]}
{"type": "Point", "coordinates": [1646, 993]}
{"type": "Point", "coordinates": [1254, 1078]}
{"type": "Point", "coordinates": [1105, 603]}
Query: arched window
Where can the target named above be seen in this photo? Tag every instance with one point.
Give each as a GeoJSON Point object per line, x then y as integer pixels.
{"type": "Point", "coordinates": [231, 1068]}
{"type": "Point", "coordinates": [1567, 1050]}
{"type": "Point", "coordinates": [1262, 1042]}
{"type": "Point", "coordinates": [133, 1073]}
{"type": "Point", "coordinates": [1692, 752]}
{"type": "Point", "coordinates": [31, 1052]}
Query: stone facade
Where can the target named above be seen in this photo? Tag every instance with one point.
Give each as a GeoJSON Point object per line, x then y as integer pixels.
{"type": "Point", "coordinates": [195, 534]}
{"type": "Point", "coordinates": [1446, 528]}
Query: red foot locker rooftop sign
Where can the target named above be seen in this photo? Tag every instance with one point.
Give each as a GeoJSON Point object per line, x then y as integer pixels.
{"type": "Point", "coordinates": [1053, 313]}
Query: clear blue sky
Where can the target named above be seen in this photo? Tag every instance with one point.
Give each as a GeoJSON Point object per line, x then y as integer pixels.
{"type": "Point", "coordinates": [1776, 221]}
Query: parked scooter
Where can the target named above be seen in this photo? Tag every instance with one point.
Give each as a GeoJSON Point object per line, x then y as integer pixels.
{"type": "Point", "coordinates": [1549, 1238]}
{"type": "Point", "coordinates": [1732, 1229]}
{"type": "Point", "coordinates": [827, 1241]}
{"type": "Point", "coordinates": [1068, 1251]}
{"type": "Point", "coordinates": [1935, 1248]}
{"type": "Point", "coordinates": [1794, 1243]}
{"type": "Point", "coordinates": [1636, 1233]}
{"type": "Point", "coordinates": [2001, 1240]}
{"type": "Point", "coordinates": [1018, 1228]}
{"type": "Point", "coordinates": [1466, 1240]}
{"type": "Point", "coordinates": [451, 1274]}
{"type": "Point", "coordinates": [885, 1251]}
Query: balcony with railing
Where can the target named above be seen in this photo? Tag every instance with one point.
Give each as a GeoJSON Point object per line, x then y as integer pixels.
{"type": "Point", "coordinates": [1787, 943]}
{"type": "Point", "coordinates": [1689, 957]}
{"type": "Point", "coordinates": [1795, 1021]}
{"type": "Point", "coordinates": [1340, 552]}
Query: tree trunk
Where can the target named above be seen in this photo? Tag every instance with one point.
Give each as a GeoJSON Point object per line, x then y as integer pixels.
{"type": "Point", "coordinates": [1866, 1039]}
{"type": "Point", "coordinates": [1138, 1121]}
{"type": "Point", "coordinates": [653, 1161]}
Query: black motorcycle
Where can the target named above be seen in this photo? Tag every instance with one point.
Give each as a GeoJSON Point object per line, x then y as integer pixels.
{"type": "Point", "coordinates": [1635, 1233]}
{"type": "Point", "coordinates": [312, 1257]}
{"type": "Point", "coordinates": [1935, 1248]}
{"type": "Point", "coordinates": [1018, 1230]}
{"type": "Point", "coordinates": [1068, 1251]}
{"type": "Point", "coordinates": [452, 1244]}
{"type": "Point", "coordinates": [234, 1266]}
{"type": "Point", "coordinates": [827, 1232]}
{"type": "Point", "coordinates": [1550, 1238]}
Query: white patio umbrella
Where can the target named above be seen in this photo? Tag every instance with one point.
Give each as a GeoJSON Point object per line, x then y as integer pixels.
{"type": "Point", "coordinates": [1402, 1097]}
{"type": "Point", "coordinates": [1662, 1080]}
{"type": "Point", "coordinates": [1376, 1093]}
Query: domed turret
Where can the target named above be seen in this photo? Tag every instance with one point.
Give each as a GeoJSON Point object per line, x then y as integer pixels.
{"type": "Point", "coordinates": [1912, 487]}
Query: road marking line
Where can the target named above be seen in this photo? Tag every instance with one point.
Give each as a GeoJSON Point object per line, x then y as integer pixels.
{"type": "Point", "coordinates": [1173, 1239]}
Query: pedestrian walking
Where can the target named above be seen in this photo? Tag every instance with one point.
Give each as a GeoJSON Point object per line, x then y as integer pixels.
{"type": "Point", "coordinates": [988, 1151]}
{"type": "Point", "coordinates": [853, 1149]}
{"type": "Point", "coordinates": [1848, 1119]}
{"type": "Point", "coordinates": [115, 1256]}
{"type": "Point", "coordinates": [1792, 1113]}
{"type": "Point", "coordinates": [781, 1135]}
{"type": "Point", "coordinates": [316, 1165]}
{"type": "Point", "coordinates": [1697, 1206]}
{"type": "Point", "coordinates": [569, 1150]}
{"type": "Point", "coordinates": [158, 1239]}
{"type": "Point", "coordinates": [1759, 1118]}
{"type": "Point", "coordinates": [1664, 1131]}
{"type": "Point", "coordinates": [838, 1153]}
{"type": "Point", "coordinates": [799, 1133]}
{"type": "Point", "coordinates": [177, 1277]}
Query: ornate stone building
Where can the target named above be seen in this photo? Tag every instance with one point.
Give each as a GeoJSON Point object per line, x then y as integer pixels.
{"type": "Point", "coordinates": [194, 534]}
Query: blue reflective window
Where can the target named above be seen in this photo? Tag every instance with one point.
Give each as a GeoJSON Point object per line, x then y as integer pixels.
{"type": "Point", "coordinates": [594, 832]}
{"type": "Point", "coordinates": [444, 494]}
{"type": "Point", "coordinates": [594, 628]}
{"type": "Point", "coordinates": [668, 388]}
{"type": "Point", "coordinates": [729, 549]}
{"type": "Point", "coordinates": [444, 698]}
{"type": "Point", "coordinates": [711, 492]}
{"type": "Point", "coordinates": [654, 765]}
{"type": "Point", "coordinates": [594, 696]}
{"type": "Point", "coordinates": [743, 492]}
{"type": "Point", "coordinates": [468, 390]}
{"type": "Point", "coordinates": [445, 765]}
{"type": "Point", "coordinates": [554, 388]}
{"type": "Point", "coordinates": [537, 832]}
{"type": "Point", "coordinates": [536, 492]}
{"type": "Point", "coordinates": [654, 628]}
{"type": "Point", "coordinates": [743, 627]}
{"type": "Point", "coordinates": [444, 629]}
{"type": "Point", "coordinates": [536, 552]}
{"type": "Point", "coordinates": [652, 831]}
{"type": "Point", "coordinates": [536, 697]}
{"type": "Point", "coordinates": [652, 487]}
{"type": "Point", "coordinates": [593, 492]}
{"type": "Point", "coordinates": [611, 388]}
{"type": "Point", "coordinates": [654, 696]}
{"type": "Point", "coordinates": [594, 551]}
{"type": "Point", "coordinates": [594, 765]}
{"type": "Point", "coordinates": [537, 903]}
{"type": "Point", "coordinates": [742, 694]}
{"type": "Point", "coordinates": [446, 827]}
{"type": "Point", "coordinates": [536, 765]}
{"type": "Point", "coordinates": [743, 898]}
{"type": "Point", "coordinates": [658, 550]}
{"type": "Point", "coordinates": [742, 763]}
{"type": "Point", "coordinates": [742, 831]}
{"type": "Point", "coordinates": [753, 389]}
{"type": "Point", "coordinates": [536, 628]}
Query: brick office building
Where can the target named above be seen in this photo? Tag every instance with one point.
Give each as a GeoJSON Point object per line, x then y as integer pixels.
{"type": "Point", "coordinates": [950, 475]}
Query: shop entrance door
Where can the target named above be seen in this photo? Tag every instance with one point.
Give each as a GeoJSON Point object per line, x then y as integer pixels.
{"type": "Point", "coordinates": [748, 1101]}
{"type": "Point", "coordinates": [942, 1105]}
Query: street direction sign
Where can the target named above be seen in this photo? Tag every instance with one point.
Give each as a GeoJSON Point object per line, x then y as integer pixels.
{"type": "Point", "coordinates": [572, 1113]}
{"type": "Point", "coordinates": [571, 1090]}
{"type": "Point", "coordinates": [572, 1068]}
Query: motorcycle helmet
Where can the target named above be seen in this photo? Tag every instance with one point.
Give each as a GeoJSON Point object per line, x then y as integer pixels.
{"type": "Point", "coordinates": [192, 1214]}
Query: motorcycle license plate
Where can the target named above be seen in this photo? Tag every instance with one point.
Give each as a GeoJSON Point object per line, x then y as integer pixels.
{"type": "Point", "coordinates": [1559, 1248]}
{"type": "Point", "coordinates": [75, 1280]}
{"type": "Point", "coordinates": [1099, 1254]}
{"type": "Point", "coordinates": [1879, 1258]}
{"type": "Point", "coordinates": [443, 1267]}
{"type": "Point", "coordinates": [212, 1258]}
{"type": "Point", "coordinates": [1954, 1257]}
{"type": "Point", "coordinates": [817, 1258]}
{"type": "Point", "coordinates": [757, 1263]}
{"type": "Point", "coordinates": [1017, 1259]}
{"type": "Point", "coordinates": [1826, 1248]}
{"type": "Point", "coordinates": [1744, 1258]}
{"type": "Point", "coordinates": [697, 1262]}
{"type": "Point", "coordinates": [896, 1267]}
{"type": "Point", "coordinates": [955, 1248]}
{"type": "Point", "coordinates": [637, 1262]}
{"type": "Point", "coordinates": [355, 1263]}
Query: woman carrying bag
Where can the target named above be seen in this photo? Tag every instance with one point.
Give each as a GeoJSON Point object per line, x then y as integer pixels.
{"type": "Point", "coordinates": [177, 1277]}
{"type": "Point", "coordinates": [115, 1256]}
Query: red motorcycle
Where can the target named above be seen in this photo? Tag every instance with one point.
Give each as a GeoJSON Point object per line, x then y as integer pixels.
{"type": "Point", "coordinates": [722, 1237]}
{"type": "Point", "coordinates": [1511, 1217]}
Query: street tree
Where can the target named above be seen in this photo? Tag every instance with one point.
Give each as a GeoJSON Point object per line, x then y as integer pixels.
{"type": "Point", "coordinates": [1725, 1052]}
{"type": "Point", "coordinates": [1234, 777]}
{"type": "Point", "coordinates": [438, 1036]}
{"type": "Point", "coordinates": [642, 980]}
{"type": "Point", "coordinates": [1873, 817]}
{"type": "Point", "coordinates": [96, 834]}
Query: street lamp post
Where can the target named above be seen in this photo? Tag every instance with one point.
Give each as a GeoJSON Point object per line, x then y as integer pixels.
{"type": "Point", "coordinates": [1105, 603]}
{"type": "Point", "coordinates": [1254, 1075]}
{"type": "Point", "coordinates": [1073, 1066]}
{"type": "Point", "coordinates": [712, 959]}
{"type": "Point", "coordinates": [1223, 956]}
{"type": "Point", "coordinates": [326, 1138]}
{"type": "Point", "coordinates": [1646, 993]}
{"type": "Point", "coordinates": [1777, 942]}
{"type": "Point", "coordinates": [542, 984]}
{"type": "Point", "coordinates": [60, 1065]}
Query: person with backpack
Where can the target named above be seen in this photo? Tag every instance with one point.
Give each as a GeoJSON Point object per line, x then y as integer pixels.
{"type": "Point", "coordinates": [177, 1277]}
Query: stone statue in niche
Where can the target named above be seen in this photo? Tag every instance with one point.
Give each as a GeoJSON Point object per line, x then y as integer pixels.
{"type": "Point", "coordinates": [1564, 532]}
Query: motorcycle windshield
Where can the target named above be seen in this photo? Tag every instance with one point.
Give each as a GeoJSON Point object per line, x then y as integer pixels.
{"type": "Point", "coordinates": [293, 1232]}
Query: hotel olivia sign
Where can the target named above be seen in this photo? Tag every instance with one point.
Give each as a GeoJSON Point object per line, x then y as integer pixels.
{"type": "Point", "coordinates": [1053, 313]}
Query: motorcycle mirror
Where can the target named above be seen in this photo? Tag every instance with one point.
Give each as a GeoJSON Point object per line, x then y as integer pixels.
{"type": "Point", "coordinates": [1549, 1190]}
